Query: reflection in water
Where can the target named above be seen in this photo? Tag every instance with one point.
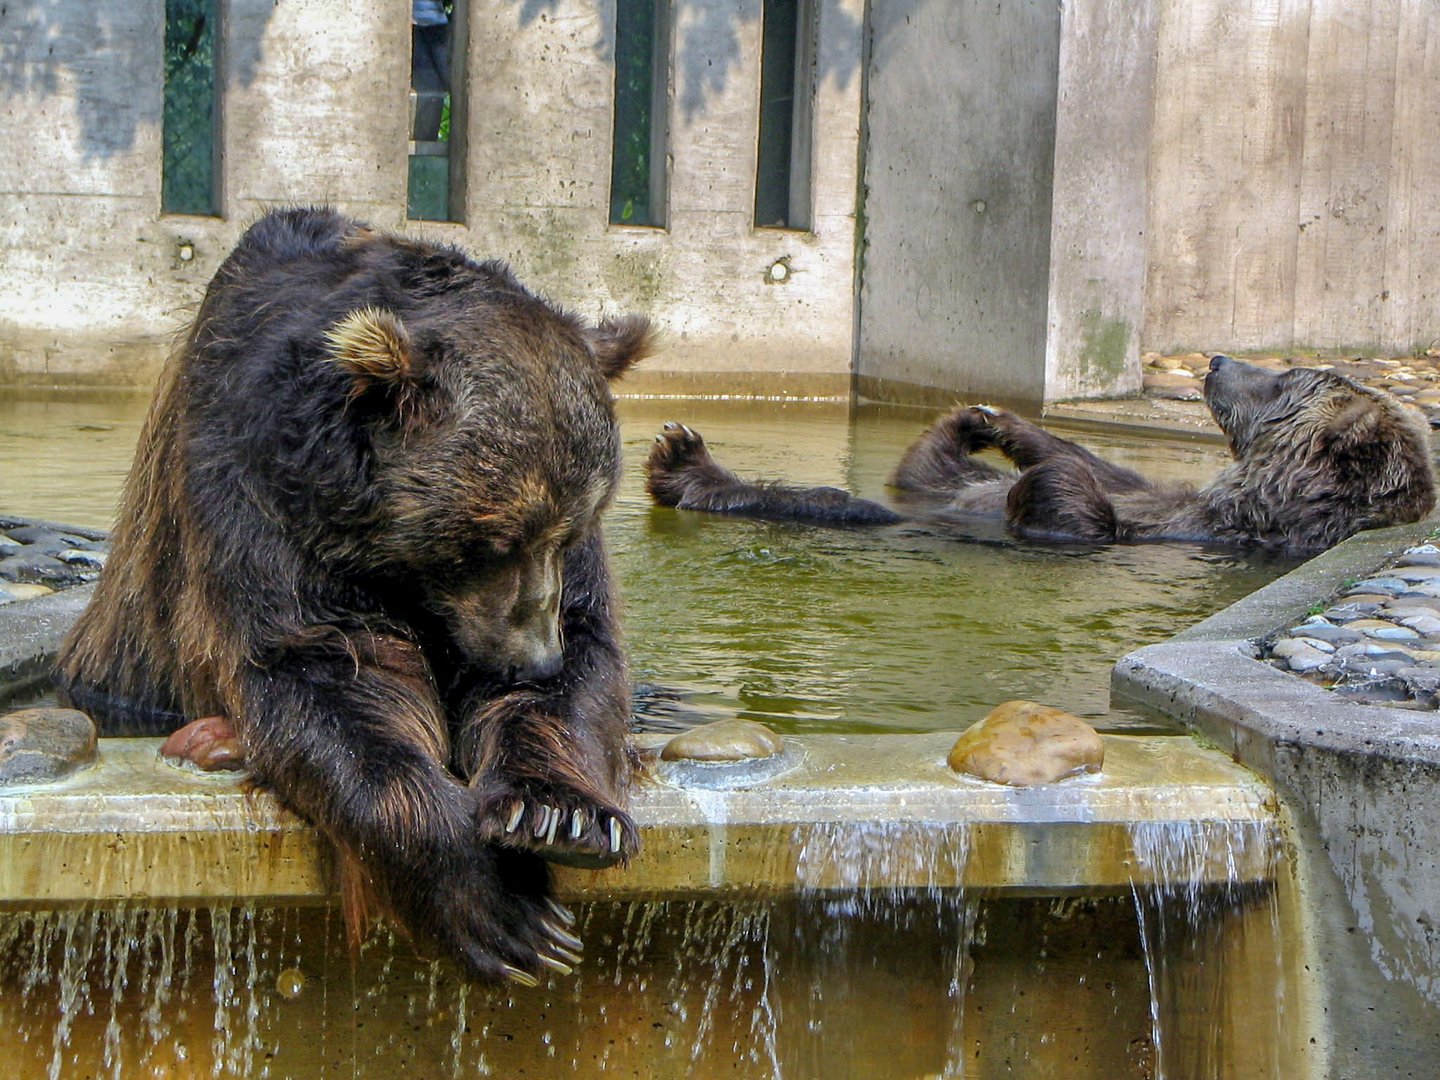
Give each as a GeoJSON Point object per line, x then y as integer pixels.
{"type": "Point", "coordinates": [808, 629]}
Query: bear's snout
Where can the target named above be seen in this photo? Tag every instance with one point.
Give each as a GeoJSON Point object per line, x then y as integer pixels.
{"type": "Point", "coordinates": [508, 622]}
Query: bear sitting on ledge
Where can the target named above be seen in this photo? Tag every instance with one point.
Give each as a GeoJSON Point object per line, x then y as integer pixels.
{"type": "Point", "coordinates": [1317, 458]}
{"type": "Point", "coordinates": [363, 526]}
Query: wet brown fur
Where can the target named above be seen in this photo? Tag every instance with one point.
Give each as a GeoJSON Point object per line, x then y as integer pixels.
{"type": "Point", "coordinates": [352, 465]}
{"type": "Point", "coordinates": [1317, 458]}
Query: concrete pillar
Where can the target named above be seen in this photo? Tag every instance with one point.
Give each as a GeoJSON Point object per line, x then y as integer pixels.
{"type": "Point", "coordinates": [960, 147]}
{"type": "Point", "coordinates": [1098, 218]}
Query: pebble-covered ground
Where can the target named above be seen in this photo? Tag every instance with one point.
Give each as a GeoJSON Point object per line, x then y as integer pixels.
{"type": "Point", "coordinates": [1379, 641]}
{"type": "Point", "coordinates": [1413, 379]}
{"type": "Point", "coordinates": [37, 559]}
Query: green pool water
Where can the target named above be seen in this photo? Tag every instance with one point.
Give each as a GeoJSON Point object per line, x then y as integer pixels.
{"type": "Point", "coordinates": [898, 629]}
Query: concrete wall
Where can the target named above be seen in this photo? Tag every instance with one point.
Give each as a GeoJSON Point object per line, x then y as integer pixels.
{"type": "Point", "coordinates": [539, 193]}
{"type": "Point", "coordinates": [315, 110]}
{"type": "Point", "coordinates": [1361, 782]}
{"type": "Point", "coordinates": [1049, 189]}
{"type": "Point", "coordinates": [960, 146]}
{"type": "Point", "coordinates": [1294, 199]}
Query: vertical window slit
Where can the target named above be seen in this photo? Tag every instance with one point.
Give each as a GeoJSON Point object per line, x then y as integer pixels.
{"type": "Point", "coordinates": [787, 97]}
{"type": "Point", "coordinates": [438, 46]}
{"type": "Point", "coordinates": [190, 173]}
{"type": "Point", "coordinates": [638, 172]}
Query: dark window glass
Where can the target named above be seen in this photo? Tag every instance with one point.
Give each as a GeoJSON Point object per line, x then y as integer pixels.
{"type": "Point", "coordinates": [642, 66]}
{"type": "Point", "coordinates": [190, 135]}
{"type": "Point", "coordinates": [782, 173]}
{"type": "Point", "coordinates": [437, 110]}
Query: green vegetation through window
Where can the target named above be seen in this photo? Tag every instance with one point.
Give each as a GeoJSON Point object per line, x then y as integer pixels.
{"type": "Point", "coordinates": [642, 106]}
{"type": "Point", "coordinates": [190, 130]}
{"type": "Point", "coordinates": [437, 110]}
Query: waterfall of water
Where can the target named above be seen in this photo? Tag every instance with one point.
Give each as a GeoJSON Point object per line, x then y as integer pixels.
{"type": "Point", "coordinates": [1205, 934]}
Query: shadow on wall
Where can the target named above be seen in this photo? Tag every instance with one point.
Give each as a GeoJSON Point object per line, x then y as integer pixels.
{"type": "Point", "coordinates": [100, 52]}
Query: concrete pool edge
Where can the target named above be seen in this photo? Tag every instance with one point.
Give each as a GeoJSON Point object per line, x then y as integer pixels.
{"type": "Point", "coordinates": [857, 812]}
{"type": "Point", "coordinates": [1362, 783]}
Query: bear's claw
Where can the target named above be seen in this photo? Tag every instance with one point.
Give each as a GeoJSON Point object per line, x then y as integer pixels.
{"type": "Point", "coordinates": [585, 836]}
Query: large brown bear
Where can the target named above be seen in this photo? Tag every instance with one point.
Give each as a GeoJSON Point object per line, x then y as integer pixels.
{"type": "Point", "coordinates": [1317, 457]}
{"type": "Point", "coordinates": [364, 524]}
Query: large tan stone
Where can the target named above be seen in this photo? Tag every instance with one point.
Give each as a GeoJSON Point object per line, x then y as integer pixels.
{"type": "Point", "coordinates": [724, 740]}
{"type": "Point", "coordinates": [1022, 743]}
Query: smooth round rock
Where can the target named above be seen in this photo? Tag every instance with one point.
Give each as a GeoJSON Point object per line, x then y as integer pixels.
{"type": "Point", "coordinates": [1414, 574]}
{"type": "Point", "coordinates": [724, 740]}
{"type": "Point", "coordinates": [1411, 601]}
{"type": "Point", "coordinates": [1022, 743]}
{"type": "Point", "coordinates": [1300, 655]}
{"type": "Point", "coordinates": [1367, 598]}
{"type": "Point", "coordinates": [1344, 613]}
{"type": "Point", "coordinates": [38, 745]}
{"type": "Point", "coordinates": [33, 569]}
{"type": "Point", "coordinates": [1393, 633]}
{"type": "Point", "coordinates": [1389, 586]}
{"type": "Point", "coordinates": [1331, 635]}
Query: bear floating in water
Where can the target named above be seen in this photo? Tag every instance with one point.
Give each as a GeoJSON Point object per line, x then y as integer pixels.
{"type": "Point", "coordinates": [1317, 458]}
{"type": "Point", "coordinates": [363, 526]}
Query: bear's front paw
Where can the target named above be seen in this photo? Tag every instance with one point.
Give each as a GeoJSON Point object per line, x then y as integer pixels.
{"type": "Point", "coordinates": [969, 429]}
{"type": "Point", "coordinates": [676, 447]}
{"type": "Point", "coordinates": [491, 914]}
{"type": "Point", "coordinates": [559, 823]}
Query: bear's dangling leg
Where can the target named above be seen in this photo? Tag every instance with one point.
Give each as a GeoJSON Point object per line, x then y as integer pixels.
{"type": "Point", "coordinates": [209, 743]}
{"type": "Point", "coordinates": [349, 731]}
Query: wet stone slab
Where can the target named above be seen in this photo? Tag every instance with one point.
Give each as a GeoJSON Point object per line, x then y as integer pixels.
{"type": "Point", "coordinates": [851, 811]}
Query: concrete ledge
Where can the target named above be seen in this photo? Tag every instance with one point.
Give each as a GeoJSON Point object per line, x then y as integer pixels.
{"type": "Point", "coordinates": [1362, 782]}
{"type": "Point", "coordinates": [855, 812]}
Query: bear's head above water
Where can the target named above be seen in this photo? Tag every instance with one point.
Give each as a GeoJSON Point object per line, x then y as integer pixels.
{"type": "Point", "coordinates": [1317, 456]}
{"type": "Point", "coordinates": [479, 493]}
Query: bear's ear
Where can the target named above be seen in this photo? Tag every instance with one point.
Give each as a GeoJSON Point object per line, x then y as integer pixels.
{"type": "Point", "coordinates": [373, 345]}
{"type": "Point", "coordinates": [1356, 424]}
{"type": "Point", "coordinates": [620, 344]}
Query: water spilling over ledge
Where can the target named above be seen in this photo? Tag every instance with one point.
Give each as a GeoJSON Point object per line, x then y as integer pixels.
{"type": "Point", "coordinates": [862, 911]}
{"type": "Point", "coordinates": [135, 827]}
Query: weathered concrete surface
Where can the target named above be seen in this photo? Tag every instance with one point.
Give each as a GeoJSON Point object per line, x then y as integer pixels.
{"type": "Point", "coordinates": [1362, 782]}
{"type": "Point", "coordinates": [959, 153]}
{"type": "Point", "coordinates": [1292, 197]}
{"type": "Point", "coordinates": [314, 111]}
{"type": "Point", "coordinates": [855, 812]}
{"type": "Point", "coordinates": [1101, 172]}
